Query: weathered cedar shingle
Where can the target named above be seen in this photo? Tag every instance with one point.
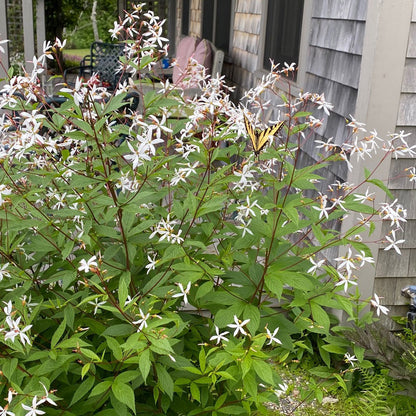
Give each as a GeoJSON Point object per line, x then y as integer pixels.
{"type": "Point", "coordinates": [341, 9]}
{"type": "Point", "coordinates": [340, 35]}
{"type": "Point", "coordinates": [389, 264]}
{"type": "Point", "coordinates": [334, 65]}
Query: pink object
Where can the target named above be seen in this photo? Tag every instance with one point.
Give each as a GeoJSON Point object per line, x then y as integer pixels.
{"type": "Point", "coordinates": [191, 47]}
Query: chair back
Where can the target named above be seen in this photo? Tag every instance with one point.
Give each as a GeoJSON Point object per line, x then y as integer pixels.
{"type": "Point", "coordinates": [105, 61]}
{"type": "Point", "coordinates": [217, 61]}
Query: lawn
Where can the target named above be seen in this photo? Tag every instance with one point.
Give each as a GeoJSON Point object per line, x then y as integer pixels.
{"type": "Point", "coordinates": [74, 56]}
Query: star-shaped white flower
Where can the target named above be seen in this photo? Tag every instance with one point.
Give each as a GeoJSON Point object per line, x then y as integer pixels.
{"type": "Point", "coordinates": [183, 292]}
{"type": "Point", "coordinates": [239, 326]}
{"type": "Point", "coordinates": [272, 336]}
{"type": "Point", "coordinates": [379, 308]}
{"type": "Point", "coordinates": [86, 265]}
{"type": "Point", "coordinates": [219, 336]}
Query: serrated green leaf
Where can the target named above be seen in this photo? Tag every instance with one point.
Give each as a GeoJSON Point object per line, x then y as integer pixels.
{"type": "Point", "coordinates": [144, 363]}
{"type": "Point", "coordinates": [264, 371]}
{"type": "Point", "coordinates": [125, 394]}
{"type": "Point", "coordinates": [252, 312]}
{"type": "Point", "coordinates": [164, 380]}
{"type": "Point", "coordinates": [115, 348]}
{"type": "Point", "coordinates": [320, 316]}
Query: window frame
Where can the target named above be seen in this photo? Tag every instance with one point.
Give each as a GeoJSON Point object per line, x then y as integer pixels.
{"type": "Point", "coordinates": [295, 86]}
{"type": "Point", "coordinates": [213, 26]}
{"type": "Point", "coordinates": [185, 11]}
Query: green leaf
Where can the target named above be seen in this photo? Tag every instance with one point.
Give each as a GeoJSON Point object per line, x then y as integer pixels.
{"type": "Point", "coordinates": [323, 353]}
{"type": "Point", "coordinates": [123, 287]}
{"type": "Point", "coordinates": [202, 359]}
{"type": "Point", "coordinates": [85, 369]}
{"type": "Point", "coordinates": [250, 384]}
{"type": "Point", "coordinates": [58, 333]}
{"type": "Point", "coordinates": [115, 348]}
{"type": "Point", "coordinates": [322, 372]}
{"type": "Point", "coordinates": [232, 410]}
{"type": "Point", "coordinates": [195, 393]}
{"type": "Point", "coordinates": [125, 394]}
{"type": "Point", "coordinates": [118, 330]}
{"type": "Point", "coordinates": [144, 363]}
{"type": "Point", "coordinates": [320, 316]}
{"type": "Point", "coordinates": [252, 312]}
{"type": "Point", "coordinates": [221, 400]}
{"type": "Point", "coordinates": [174, 251]}
{"type": "Point", "coordinates": [204, 289]}
{"type": "Point", "coordinates": [8, 367]}
{"type": "Point", "coordinates": [164, 380]}
{"type": "Point", "coordinates": [82, 390]}
{"type": "Point", "coordinates": [246, 364]}
{"type": "Point", "coordinates": [264, 371]}
{"type": "Point", "coordinates": [101, 388]}
{"type": "Point", "coordinates": [90, 354]}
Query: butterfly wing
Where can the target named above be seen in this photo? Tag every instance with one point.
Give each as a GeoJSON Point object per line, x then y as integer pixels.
{"type": "Point", "coordinates": [259, 139]}
{"type": "Point", "coordinates": [263, 136]}
{"type": "Point", "coordinates": [252, 134]}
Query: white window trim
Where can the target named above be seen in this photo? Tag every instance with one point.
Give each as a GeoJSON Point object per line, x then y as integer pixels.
{"type": "Point", "coordinates": [297, 86]}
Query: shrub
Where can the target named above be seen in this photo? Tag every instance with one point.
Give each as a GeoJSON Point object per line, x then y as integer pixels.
{"type": "Point", "coordinates": [152, 265]}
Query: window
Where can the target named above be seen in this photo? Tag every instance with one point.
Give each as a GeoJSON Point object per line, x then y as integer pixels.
{"type": "Point", "coordinates": [216, 18]}
{"type": "Point", "coordinates": [185, 18]}
{"type": "Point", "coordinates": [283, 30]}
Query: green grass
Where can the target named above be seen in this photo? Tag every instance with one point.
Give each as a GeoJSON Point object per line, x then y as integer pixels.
{"type": "Point", "coordinates": [73, 57]}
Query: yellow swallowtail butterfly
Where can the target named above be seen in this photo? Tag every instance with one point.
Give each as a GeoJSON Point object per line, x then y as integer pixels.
{"type": "Point", "coordinates": [259, 138]}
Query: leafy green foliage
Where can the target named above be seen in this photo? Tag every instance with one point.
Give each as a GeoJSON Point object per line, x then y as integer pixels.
{"type": "Point", "coordinates": [150, 264]}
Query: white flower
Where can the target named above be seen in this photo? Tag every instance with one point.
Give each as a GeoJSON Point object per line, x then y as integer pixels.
{"type": "Point", "coordinates": [165, 229]}
{"type": "Point", "coordinates": [272, 337]}
{"type": "Point", "coordinates": [183, 292]}
{"type": "Point", "coordinates": [152, 263]}
{"type": "Point", "coordinates": [349, 359]}
{"type": "Point", "coordinates": [363, 258]}
{"type": "Point", "coordinates": [142, 322]}
{"type": "Point", "coordinates": [281, 390]}
{"type": "Point", "coordinates": [315, 266]}
{"type": "Point", "coordinates": [346, 262]}
{"type": "Point", "coordinates": [46, 398]}
{"type": "Point", "coordinates": [87, 265]}
{"type": "Point", "coordinates": [14, 330]}
{"type": "Point", "coordinates": [323, 208]}
{"type": "Point", "coordinates": [32, 410]}
{"type": "Point", "coordinates": [379, 308]}
{"type": "Point", "coordinates": [393, 244]}
{"type": "Point", "coordinates": [4, 190]}
{"type": "Point", "coordinates": [239, 326]}
{"type": "Point", "coordinates": [345, 280]}
{"type": "Point", "coordinates": [5, 412]}
{"type": "Point", "coordinates": [244, 227]}
{"type": "Point", "coordinates": [4, 272]}
{"type": "Point", "coordinates": [219, 336]}
{"type": "Point", "coordinates": [1, 43]}
{"type": "Point", "coordinates": [96, 304]}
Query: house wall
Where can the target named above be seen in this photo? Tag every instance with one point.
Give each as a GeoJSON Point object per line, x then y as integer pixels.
{"type": "Point", "coordinates": [393, 272]}
{"type": "Point", "coordinates": [333, 67]}
{"type": "Point", "coordinates": [246, 43]}
{"type": "Point", "coordinates": [195, 18]}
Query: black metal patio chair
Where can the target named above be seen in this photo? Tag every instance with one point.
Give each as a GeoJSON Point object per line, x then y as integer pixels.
{"type": "Point", "coordinates": [103, 60]}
